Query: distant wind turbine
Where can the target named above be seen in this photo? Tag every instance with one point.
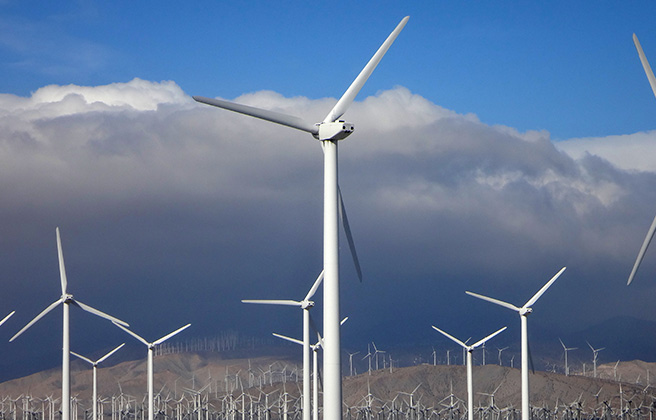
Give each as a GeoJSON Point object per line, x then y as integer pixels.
{"type": "Point", "coordinates": [524, 311]}
{"type": "Point", "coordinates": [95, 377]}
{"type": "Point", "coordinates": [652, 228]}
{"type": "Point", "coordinates": [566, 349]}
{"type": "Point", "coordinates": [151, 347]}
{"type": "Point", "coordinates": [66, 299]}
{"type": "Point", "coordinates": [328, 132]}
{"type": "Point", "coordinates": [595, 354]}
{"type": "Point", "coordinates": [470, 376]}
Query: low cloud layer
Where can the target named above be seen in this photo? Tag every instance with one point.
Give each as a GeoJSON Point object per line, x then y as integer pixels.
{"type": "Point", "coordinates": [172, 211]}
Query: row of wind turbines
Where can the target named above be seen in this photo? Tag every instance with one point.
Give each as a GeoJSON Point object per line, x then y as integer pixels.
{"type": "Point", "coordinates": [328, 132]}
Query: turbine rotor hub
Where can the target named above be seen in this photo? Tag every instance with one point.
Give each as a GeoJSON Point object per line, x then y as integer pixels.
{"type": "Point", "coordinates": [67, 298]}
{"type": "Point", "coordinates": [306, 304]}
{"type": "Point", "coordinates": [338, 130]}
{"type": "Point", "coordinates": [525, 311]}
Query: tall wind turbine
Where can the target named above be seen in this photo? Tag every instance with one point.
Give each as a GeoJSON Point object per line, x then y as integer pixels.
{"type": "Point", "coordinates": [329, 132]}
{"type": "Point", "coordinates": [95, 376]}
{"type": "Point", "coordinates": [595, 354]}
{"type": "Point", "coordinates": [652, 228]}
{"type": "Point", "coordinates": [305, 305]}
{"type": "Point", "coordinates": [470, 376]}
{"type": "Point", "coordinates": [151, 347]}
{"type": "Point", "coordinates": [524, 311]}
{"type": "Point", "coordinates": [566, 349]}
{"type": "Point", "coordinates": [66, 299]}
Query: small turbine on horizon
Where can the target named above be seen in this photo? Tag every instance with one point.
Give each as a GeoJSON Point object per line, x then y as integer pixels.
{"type": "Point", "coordinates": [524, 311]}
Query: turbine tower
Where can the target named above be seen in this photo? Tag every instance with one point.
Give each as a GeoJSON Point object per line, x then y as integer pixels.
{"type": "Point", "coordinates": [66, 299]}
{"type": "Point", "coordinates": [151, 347]}
{"type": "Point", "coordinates": [652, 228]}
{"type": "Point", "coordinates": [328, 132]}
{"type": "Point", "coordinates": [524, 311]}
{"type": "Point", "coordinates": [95, 376]}
{"type": "Point", "coordinates": [470, 376]}
{"type": "Point", "coordinates": [304, 304]}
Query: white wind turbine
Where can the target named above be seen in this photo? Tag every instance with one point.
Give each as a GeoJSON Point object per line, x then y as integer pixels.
{"type": "Point", "coordinates": [566, 349]}
{"type": "Point", "coordinates": [595, 354]}
{"type": "Point", "coordinates": [66, 299]}
{"type": "Point", "coordinates": [652, 228]}
{"type": "Point", "coordinates": [305, 305]}
{"type": "Point", "coordinates": [95, 376]}
{"type": "Point", "coordinates": [524, 311]}
{"type": "Point", "coordinates": [470, 376]}
{"type": "Point", "coordinates": [151, 347]}
{"type": "Point", "coordinates": [329, 132]}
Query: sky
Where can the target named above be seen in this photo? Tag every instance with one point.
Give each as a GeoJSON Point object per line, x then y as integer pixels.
{"type": "Point", "coordinates": [495, 143]}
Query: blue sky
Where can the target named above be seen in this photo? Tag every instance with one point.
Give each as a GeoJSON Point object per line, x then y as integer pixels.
{"type": "Point", "coordinates": [495, 143]}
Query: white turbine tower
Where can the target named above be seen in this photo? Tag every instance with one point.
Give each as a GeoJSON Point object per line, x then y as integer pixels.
{"type": "Point", "coordinates": [66, 299]}
{"type": "Point", "coordinates": [652, 228]}
{"type": "Point", "coordinates": [566, 349]}
{"type": "Point", "coordinates": [524, 311]}
{"type": "Point", "coordinates": [305, 305]}
{"type": "Point", "coordinates": [151, 347]}
{"type": "Point", "coordinates": [329, 132]}
{"type": "Point", "coordinates": [95, 364]}
{"type": "Point", "coordinates": [470, 376]}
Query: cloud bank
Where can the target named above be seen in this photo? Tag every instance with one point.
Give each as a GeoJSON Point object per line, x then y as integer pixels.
{"type": "Point", "coordinates": [172, 211]}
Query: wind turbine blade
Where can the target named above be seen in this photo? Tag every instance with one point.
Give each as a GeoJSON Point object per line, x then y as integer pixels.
{"type": "Point", "coordinates": [530, 356]}
{"type": "Point", "coordinates": [273, 302]}
{"type": "Point", "coordinates": [450, 336]}
{"type": "Point", "coordinates": [36, 318]}
{"type": "Point", "coordinates": [478, 343]}
{"type": "Point", "coordinates": [138, 337]}
{"type": "Point", "coordinates": [264, 114]}
{"type": "Point", "coordinates": [349, 96]}
{"type": "Point", "coordinates": [62, 268]}
{"type": "Point", "coordinates": [284, 337]}
{"type": "Point", "coordinates": [540, 292]}
{"type": "Point", "coordinates": [349, 237]}
{"type": "Point", "coordinates": [643, 249]}
{"type": "Point", "coordinates": [7, 317]}
{"type": "Point", "coordinates": [562, 344]}
{"type": "Point", "coordinates": [102, 359]}
{"type": "Point", "coordinates": [496, 301]}
{"type": "Point", "coordinates": [98, 313]}
{"type": "Point", "coordinates": [343, 320]}
{"type": "Point", "coordinates": [167, 336]}
{"type": "Point", "coordinates": [82, 357]}
{"type": "Point", "coordinates": [645, 64]}
{"type": "Point", "coordinates": [315, 286]}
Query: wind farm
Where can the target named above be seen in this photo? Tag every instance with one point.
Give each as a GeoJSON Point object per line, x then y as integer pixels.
{"type": "Point", "coordinates": [179, 210]}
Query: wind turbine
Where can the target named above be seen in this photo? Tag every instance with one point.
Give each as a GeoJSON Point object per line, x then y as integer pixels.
{"type": "Point", "coordinates": [329, 132]}
{"type": "Point", "coordinates": [652, 228]}
{"type": "Point", "coordinates": [66, 299]}
{"type": "Point", "coordinates": [305, 305]}
{"type": "Point", "coordinates": [524, 311]}
{"type": "Point", "coordinates": [151, 347]}
{"type": "Point", "coordinates": [566, 349]}
{"type": "Point", "coordinates": [595, 353]}
{"type": "Point", "coordinates": [95, 383]}
{"type": "Point", "coordinates": [470, 376]}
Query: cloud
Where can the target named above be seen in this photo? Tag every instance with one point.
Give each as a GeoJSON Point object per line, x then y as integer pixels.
{"type": "Point", "coordinates": [173, 211]}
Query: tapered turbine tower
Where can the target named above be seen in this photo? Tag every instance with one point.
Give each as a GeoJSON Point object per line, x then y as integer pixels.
{"type": "Point", "coordinates": [329, 131]}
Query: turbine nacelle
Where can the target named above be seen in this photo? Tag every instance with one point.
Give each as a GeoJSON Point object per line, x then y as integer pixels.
{"type": "Point", "coordinates": [525, 311]}
{"type": "Point", "coordinates": [307, 304]}
{"type": "Point", "coordinates": [337, 130]}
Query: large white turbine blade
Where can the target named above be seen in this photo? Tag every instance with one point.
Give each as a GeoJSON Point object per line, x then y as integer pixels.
{"type": "Point", "coordinates": [36, 318]}
{"type": "Point", "coordinates": [643, 249]}
{"type": "Point", "coordinates": [496, 301]}
{"type": "Point", "coordinates": [62, 269]}
{"type": "Point", "coordinates": [284, 337]}
{"type": "Point", "coordinates": [347, 231]}
{"type": "Point", "coordinates": [478, 343]}
{"type": "Point", "coordinates": [7, 317]}
{"type": "Point", "coordinates": [273, 302]}
{"type": "Point", "coordinates": [167, 336]}
{"type": "Point", "coordinates": [450, 336]}
{"type": "Point", "coordinates": [349, 96]}
{"type": "Point", "coordinates": [138, 337]}
{"type": "Point", "coordinates": [540, 292]}
{"type": "Point", "coordinates": [98, 313]}
{"type": "Point", "coordinates": [315, 286]}
{"type": "Point", "coordinates": [645, 64]}
{"type": "Point", "coordinates": [102, 359]}
{"type": "Point", "coordinates": [343, 320]}
{"type": "Point", "coordinates": [264, 114]}
{"type": "Point", "coordinates": [82, 357]}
